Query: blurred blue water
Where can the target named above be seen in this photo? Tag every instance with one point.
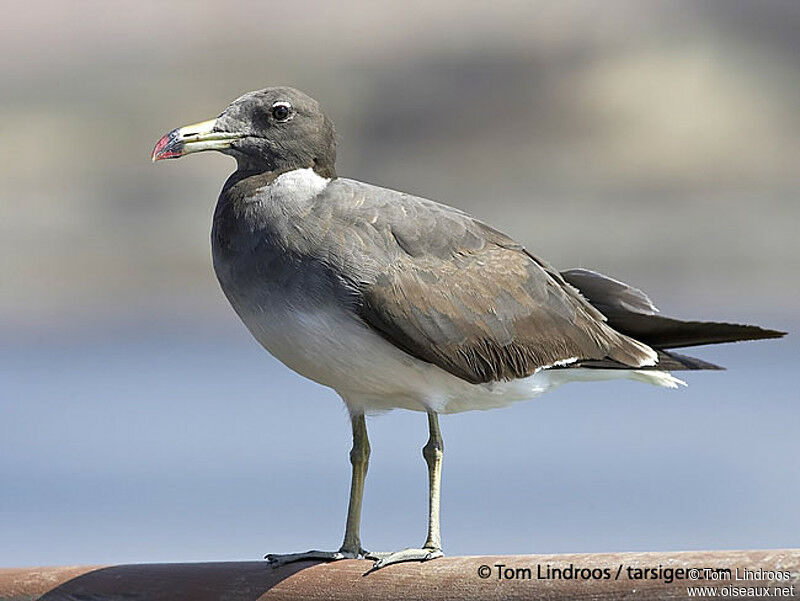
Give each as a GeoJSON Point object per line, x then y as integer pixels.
{"type": "Point", "coordinates": [163, 444]}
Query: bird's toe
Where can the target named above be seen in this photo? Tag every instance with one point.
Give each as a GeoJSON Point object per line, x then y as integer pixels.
{"type": "Point", "coordinates": [277, 560]}
{"type": "Point", "coordinates": [382, 559]}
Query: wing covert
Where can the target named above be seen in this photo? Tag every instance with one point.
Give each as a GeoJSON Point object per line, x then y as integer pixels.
{"type": "Point", "coordinates": [465, 297]}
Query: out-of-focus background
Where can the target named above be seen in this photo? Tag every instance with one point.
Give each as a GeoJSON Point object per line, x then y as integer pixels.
{"type": "Point", "coordinates": [654, 141]}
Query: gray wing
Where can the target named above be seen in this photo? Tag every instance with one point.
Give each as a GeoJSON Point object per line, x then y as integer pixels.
{"type": "Point", "coordinates": [452, 291]}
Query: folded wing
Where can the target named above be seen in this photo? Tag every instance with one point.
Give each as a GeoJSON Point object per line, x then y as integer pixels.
{"type": "Point", "coordinates": [465, 297]}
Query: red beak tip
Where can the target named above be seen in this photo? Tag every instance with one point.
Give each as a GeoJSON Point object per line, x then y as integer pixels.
{"type": "Point", "coordinates": [161, 152]}
{"type": "Point", "coordinates": [165, 155]}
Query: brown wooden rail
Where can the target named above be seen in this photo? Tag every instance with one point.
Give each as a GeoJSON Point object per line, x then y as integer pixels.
{"type": "Point", "coordinates": [451, 578]}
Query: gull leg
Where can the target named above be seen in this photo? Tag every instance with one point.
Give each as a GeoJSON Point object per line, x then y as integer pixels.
{"type": "Point", "coordinates": [432, 452]}
{"type": "Point", "coordinates": [359, 458]}
{"type": "Point", "coordinates": [351, 547]}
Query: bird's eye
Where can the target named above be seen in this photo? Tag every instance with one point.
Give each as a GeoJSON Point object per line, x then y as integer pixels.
{"type": "Point", "coordinates": [281, 111]}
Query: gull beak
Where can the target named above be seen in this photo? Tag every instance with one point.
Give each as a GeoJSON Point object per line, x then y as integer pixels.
{"type": "Point", "coordinates": [192, 138]}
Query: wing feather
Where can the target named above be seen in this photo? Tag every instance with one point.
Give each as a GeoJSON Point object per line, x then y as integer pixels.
{"type": "Point", "coordinates": [465, 297]}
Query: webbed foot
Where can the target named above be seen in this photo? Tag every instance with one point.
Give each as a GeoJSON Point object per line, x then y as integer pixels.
{"type": "Point", "coordinates": [276, 559]}
{"type": "Point", "coordinates": [383, 559]}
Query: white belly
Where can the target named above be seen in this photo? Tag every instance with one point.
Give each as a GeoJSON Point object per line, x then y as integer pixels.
{"type": "Point", "coordinates": [333, 348]}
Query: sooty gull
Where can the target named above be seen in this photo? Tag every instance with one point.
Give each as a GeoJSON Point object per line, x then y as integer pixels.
{"type": "Point", "coordinates": [396, 301]}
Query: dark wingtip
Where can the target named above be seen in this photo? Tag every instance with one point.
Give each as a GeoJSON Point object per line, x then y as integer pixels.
{"type": "Point", "coordinates": [668, 333]}
{"type": "Point", "coordinates": [740, 333]}
{"type": "Point", "coordinates": [759, 333]}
